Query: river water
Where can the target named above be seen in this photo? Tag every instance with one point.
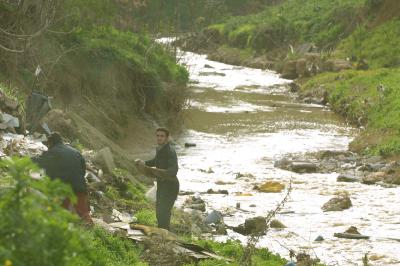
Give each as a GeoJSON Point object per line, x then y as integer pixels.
{"type": "Point", "coordinates": [243, 120]}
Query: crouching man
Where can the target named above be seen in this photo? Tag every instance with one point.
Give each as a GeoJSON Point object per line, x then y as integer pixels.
{"type": "Point", "coordinates": [67, 164]}
{"type": "Point", "coordinates": [166, 164]}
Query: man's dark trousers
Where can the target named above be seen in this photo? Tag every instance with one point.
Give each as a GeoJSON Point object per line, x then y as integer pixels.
{"type": "Point", "coordinates": [167, 192]}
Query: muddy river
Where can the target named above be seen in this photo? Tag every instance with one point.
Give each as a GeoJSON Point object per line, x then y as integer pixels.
{"type": "Point", "coordinates": [242, 120]}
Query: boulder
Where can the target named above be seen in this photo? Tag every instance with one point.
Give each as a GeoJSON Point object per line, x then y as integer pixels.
{"type": "Point", "coordinates": [303, 167]}
{"type": "Point", "coordinates": [214, 217]}
{"type": "Point", "coordinates": [221, 191]}
{"type": "Point", "coordinates": [276, 224]}
{"type": "Point", "coordinates": [195, 203]}
{"type": "Point", "coordinates": [351, 233]}
{"type": "Point", "coordinates": [256, 225]}
{"type": "Point", "coordinates": [188, 145]}
{"type": "Point", "coordinates": [337, 203]}
{"type": "Point", "coordinates": [197, 206]}
{"type": "Point", "coordinates": [373, 178]}
{"type": "Point", "coordinates": [270, 187]}
{"type": "Point", "coordinates": [346, 178]}
{"type": "Point", "coordinates": [283, 163]}
{"type": "Point", "coordinates": [319, 239]}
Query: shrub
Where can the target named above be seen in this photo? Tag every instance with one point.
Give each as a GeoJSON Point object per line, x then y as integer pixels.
{"type": "Point", "coordinates": [35, 230]}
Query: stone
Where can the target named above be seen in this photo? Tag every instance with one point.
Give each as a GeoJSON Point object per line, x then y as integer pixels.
{"type": "Point", "coordinates": [214, 217]}
{"type": "Point", "coordinates": [276, 224]}
{"type": "Point", "coordinates": [188, 145]}
{"type": "Point", "coordinates": [270, 187]}
{"type": "Point", "coordinates": [319, 239]}
{"type": "Point", "coordinates": [283, 163]}
{"type": "Point", "coordinates": [197, 206]}
{"type": "Point", "coordinates": [346, 178]}
{"type": "Point", "coordinates": [212, 74]}
{"type": "Point", "coordinates": [373, 178]}
{"type": "Point", "coordinates": [352, 230]}
{"type": "Point", "coordinates": [256, 225]}
{"type": "Point", "coordinates": [106, 160]}
{"type": "Point", "coordinates": [221, 191]}
{"type": "Point", "coordinates": [10, 121]}
{"type": "Point", "coordinates": [337, 203]}
{"type": "Point", "coordinates": [220, 182]}
{"type": "Point", "coordinates": [351, 233]}
{"type": "Point", "coordinates": [303, 167]}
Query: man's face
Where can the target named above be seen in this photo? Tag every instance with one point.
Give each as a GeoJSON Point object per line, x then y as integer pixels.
{"type": "Point", "coordinates": [161, 137]}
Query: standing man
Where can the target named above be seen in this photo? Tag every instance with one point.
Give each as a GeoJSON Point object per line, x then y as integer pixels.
{"type": "Point", "coordinates": [66, 163]}
{"type": "Point", "coordinates": [167, 182]}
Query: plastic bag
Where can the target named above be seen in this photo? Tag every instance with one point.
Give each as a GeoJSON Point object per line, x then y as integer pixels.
{"type": "Point", "coordinates": [151, 193]}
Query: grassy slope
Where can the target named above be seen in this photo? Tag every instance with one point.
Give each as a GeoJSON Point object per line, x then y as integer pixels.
{"type": "Point", "coordinates": [355, 93]}
{"type": "Point", "coordinates": [323, 22]}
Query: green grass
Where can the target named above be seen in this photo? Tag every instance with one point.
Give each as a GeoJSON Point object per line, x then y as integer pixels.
{"type": "Point", "coordinates": [146, 217]}
{"type": "Point", "coordinates": [234, 250]}
{"type": "Point", "coordinates": [323, 22]}
{"type": "Point", "coordinates": [378, 46]}
{"type": "Point", "coordinates": [354, 94]}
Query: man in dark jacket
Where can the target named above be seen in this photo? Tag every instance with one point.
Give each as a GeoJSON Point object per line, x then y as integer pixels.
{"type": "Point", "coordinates": [66, 163]}
{"type": "Point", "coordinates": [167, 181]}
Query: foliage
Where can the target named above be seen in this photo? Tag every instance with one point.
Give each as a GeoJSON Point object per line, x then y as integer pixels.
{"type": "Point", "coordinates": [322, 22]}
{"type": "Point", "coordinates": [370, 98]}
{"type": "Point", "coordinates": [379, 46]}
{"type": "Point", "coordinates": [36, 230]}
{"type": "Point", "coordinates": [146, 217]}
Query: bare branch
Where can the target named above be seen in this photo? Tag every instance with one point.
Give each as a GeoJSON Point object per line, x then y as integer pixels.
{"type": "Point", "coordinates": [11, 50]}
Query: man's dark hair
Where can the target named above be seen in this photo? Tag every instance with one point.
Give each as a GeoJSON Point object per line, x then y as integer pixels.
{"type": "Point", "coordinates": [163, 129]}
{"type": "Point", "coordinates": [54, 138]}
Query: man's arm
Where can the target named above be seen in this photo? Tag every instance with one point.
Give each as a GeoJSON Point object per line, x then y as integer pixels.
{"type": "Point", "coordinates": [172, 169]}
{"type": "Point", "coordinates": [151, 163]}
{"type": "Point", "coordinates": [83, 166]}
{"type": "Point", "coordinates": [43, 160]}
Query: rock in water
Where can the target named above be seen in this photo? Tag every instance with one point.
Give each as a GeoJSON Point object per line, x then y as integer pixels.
{"type": "Point", "coordinates": [277, 224]}
{"type": "Point", "coordinates": [303, 167]}
{"type": "Point", "coordinates": [351, 233]}
{"type": "Point", "coordinates": [270, 187]}
{"type": "Point", "coordinates": [319, 239]}
{"type": "Point", "coordinates": [214, 217]}
{"type": "Point", "coordinates": [373, 178]}
{"type": "Point", "coordinates": [346, 178]}
{"type": "Point", "coordinates": [338, 203]}
{"type": "Point", "coordinates": [256, 225]}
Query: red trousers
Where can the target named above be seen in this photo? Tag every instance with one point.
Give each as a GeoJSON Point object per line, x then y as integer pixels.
{"type": "Point", "coordinates": [81, 207]}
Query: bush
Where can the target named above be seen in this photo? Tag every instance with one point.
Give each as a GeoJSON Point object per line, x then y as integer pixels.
{"type": "Point", "coordinates": [35, 230]}
{"type": "Point", "coordinates": [379, 47]}
{"type": "Point", "coordinates": [146, 217]}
